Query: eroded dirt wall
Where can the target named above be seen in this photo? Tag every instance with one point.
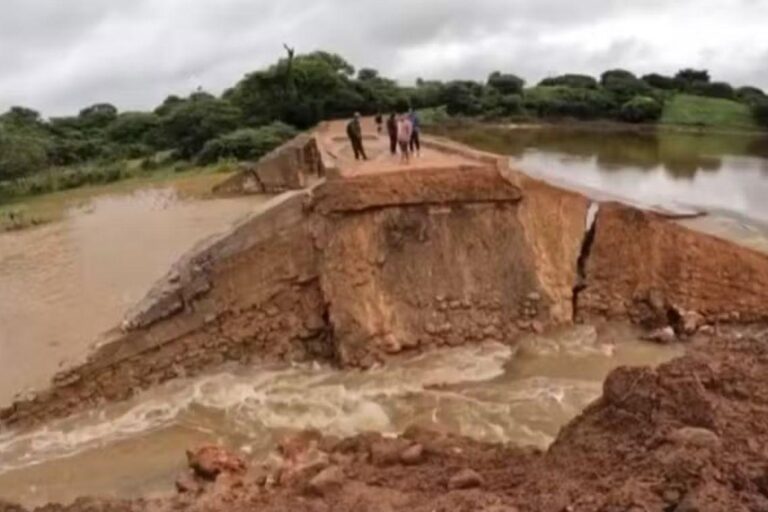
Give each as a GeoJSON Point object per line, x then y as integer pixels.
{"type": "Point", "coordinates": [443, 257]}
{"type": "Point", "coordinates": [292, 166]}
{"type": "Point", "coordinates": [647, 267]}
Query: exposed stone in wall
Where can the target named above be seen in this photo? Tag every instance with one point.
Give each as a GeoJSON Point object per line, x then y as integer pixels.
{"type": "Point", "coordinates": [292, 166]}
{"type": "Point", "coordinates": [650, 268]}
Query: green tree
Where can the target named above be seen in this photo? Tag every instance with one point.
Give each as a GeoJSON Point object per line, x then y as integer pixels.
{"type": "Point", "coordinates": [655, 80]}
{"type": "Point", "coordinates": [571, 80]}
{"type": "Point", "coordinates": [624, 85]}
{"type": "Point", "coordinates": [97, 116]}
{"type": "Point", "coordinates": [463, 98]}
{"type": "Point", "coordinates": [134, 128]}
{"type": "Point", "coordinates": [505, 83]}
{"type": "Point", "coordinates": [20, 154]}
{"type": "Point", "coordinates": [246, 143]}
{"type": "Point", "coordinates": [22, 117]}
{"type": "Point", "coordinates": [641, 109]}
{"type": "Point", "coordinates": [195, 121]}
{"type": "Point", "coordinates": [760, 111]}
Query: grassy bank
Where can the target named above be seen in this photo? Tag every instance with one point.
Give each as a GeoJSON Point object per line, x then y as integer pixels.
{"type": "Point", "coordinates": [22, 211]}
{"type": "Point", "coordinates": [710, 113]}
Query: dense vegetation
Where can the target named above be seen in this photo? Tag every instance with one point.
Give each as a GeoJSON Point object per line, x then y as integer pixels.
{"type": "Point", "coordinates": [269, 106]}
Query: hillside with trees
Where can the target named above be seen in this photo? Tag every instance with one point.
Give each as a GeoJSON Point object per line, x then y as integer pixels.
{"type": "Point", "coordinates": [269, 106]}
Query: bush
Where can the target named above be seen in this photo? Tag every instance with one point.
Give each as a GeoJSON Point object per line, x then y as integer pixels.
{"type": "Point", "coordinates": [506, 84]}
{"type": "Point", "coordinates": [665, 83]}
{"type": "Point", "coordinates": [760, 112]}
{"type": "Point", "coordinates": [569, 102]}
{"type": "Point", "coordinates": [571, 80]}
{"type": "Point", "coordinates": [20, 154]}
{"type": "Point", "coordinates": [750, 95]}
{"type": "Point", "coordinates": [641, 109]}
{"type": "Point", "coordinates": [713, 90]}
{"type": "Point", "coordinates": [246, 143]}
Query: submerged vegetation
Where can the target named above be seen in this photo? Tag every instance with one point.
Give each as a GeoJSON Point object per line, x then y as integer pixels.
{"type": "Point", "coordinates": [267, 107]}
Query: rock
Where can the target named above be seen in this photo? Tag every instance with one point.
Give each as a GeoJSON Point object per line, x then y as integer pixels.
{"type": "Point", "coordinates": [209, 462]}
{"type": "Point", "coordinates": [671, 496]}
{"type": "Point", "coordinates": [694, 436]}
{"type": "Point", "coordinates": [500, 508]}
{"type": "Point", "coordinates": [465, 479]}
{"type": "Point", "coordinates": [413, 455]}
{"type": "Point", "coordinates": [186, 484]}
{"type": "Point", "coordinates": [327, 480]}
{"type": "Point", "coordinates": [386, 452]}
{"type": "Point", "coordinates": [537, 327]}
{"type": "Point", "coordinates": [390, 344]}
{"type": "Point", "coordinates": [690, 321]}
{"type": "Point", "coordinates": [664, 336]}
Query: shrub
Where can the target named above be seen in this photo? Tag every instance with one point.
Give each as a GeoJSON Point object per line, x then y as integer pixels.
{"type": "Point", "coordinates": [750, 95]}
{"type": "Point", "coordinates": [571, 80]}
{"type": "Point", "coordinates": [665, 83]}
{"type": "Point", "coordinates": [760, 112]}
{"type": "Point", "coordinates": [713, 90]}
{"type": "Point", "coordinates": [506, 84]}
{"type": "Point", "coordinates": [641, 109]}
{"type": "Point", "coordinates": [569, 102]}
{"type": "Point", "coordinates": [246, 143]}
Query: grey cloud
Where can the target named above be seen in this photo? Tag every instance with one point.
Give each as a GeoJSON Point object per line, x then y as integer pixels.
{"type": "Point", "coordinates": [59, 55]}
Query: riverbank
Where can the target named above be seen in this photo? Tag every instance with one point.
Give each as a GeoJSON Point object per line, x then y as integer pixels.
{"type": "Point", "coordinates": [689, 436]}
{"type": "Point", "coordinates": [22, 212]}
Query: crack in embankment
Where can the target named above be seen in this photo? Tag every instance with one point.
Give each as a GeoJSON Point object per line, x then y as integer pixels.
{"type": "Point", "coordinates": [586, 251]}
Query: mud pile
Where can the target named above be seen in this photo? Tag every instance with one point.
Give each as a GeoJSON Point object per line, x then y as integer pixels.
{"type": "Point", "coordinates": [690, 436]}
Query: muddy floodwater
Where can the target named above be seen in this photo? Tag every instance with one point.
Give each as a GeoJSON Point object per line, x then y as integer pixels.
{"type": "Point", "coordinates": [490, 392]}
{"type": "Point", "coordinates": [63, 284]}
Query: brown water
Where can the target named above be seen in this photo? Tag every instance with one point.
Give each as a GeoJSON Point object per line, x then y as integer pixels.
{"type": "Point", "coordinates": [489, 392]}
{"type": "Point", "coordinates": [63, 284]}
{"type": "Point", "coordinates": [723, 174]}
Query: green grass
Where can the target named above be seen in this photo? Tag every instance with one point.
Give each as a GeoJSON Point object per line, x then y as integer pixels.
{"type": "Point", "coordinates": [713, 113]}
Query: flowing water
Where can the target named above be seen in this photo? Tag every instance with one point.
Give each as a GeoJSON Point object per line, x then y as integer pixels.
{"type": "Point", "coordinates": [490, 392]}
{"type": "Point", "coordinates": [63, 284]}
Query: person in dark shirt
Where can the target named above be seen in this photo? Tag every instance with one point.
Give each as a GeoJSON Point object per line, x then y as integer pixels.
{"type": "Point", "coordinates": [392, 131]}
{"type": "Point", "coordinates": [415, 143]}
{"type": "Point", "coordinates": [355, 134]}
{"type": "Point", "coordinates": [379, 122]}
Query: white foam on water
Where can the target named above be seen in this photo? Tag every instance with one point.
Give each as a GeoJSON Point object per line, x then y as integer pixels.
{"type": "Point", "coordinates": [297, 397]}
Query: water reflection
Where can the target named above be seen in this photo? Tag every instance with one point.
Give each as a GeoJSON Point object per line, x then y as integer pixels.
{"type": "Point", "coordinates": [724, 173]}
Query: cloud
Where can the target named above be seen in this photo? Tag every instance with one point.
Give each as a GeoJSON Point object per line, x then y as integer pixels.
{"type": "Point", "coordinates": [59, 56]}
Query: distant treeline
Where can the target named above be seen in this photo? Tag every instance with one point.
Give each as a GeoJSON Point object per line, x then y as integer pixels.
{"type": "Point", "coordinates": [268, 106]}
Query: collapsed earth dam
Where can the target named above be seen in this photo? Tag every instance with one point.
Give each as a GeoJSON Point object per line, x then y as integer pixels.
{"type": "Point", "coordinates": [357, 264]}
{"type": "Point", "coordinates": [360, 262]}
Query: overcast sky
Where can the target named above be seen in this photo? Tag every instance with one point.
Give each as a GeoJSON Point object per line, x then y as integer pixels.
{"type": "Point", "coordinates": [60, 55]}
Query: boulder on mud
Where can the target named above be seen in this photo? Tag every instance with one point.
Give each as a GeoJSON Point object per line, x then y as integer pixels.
{"type": "Point", "coordinates": [413, 455]}
{"type": "Point", "coordinates": [663, 336]}
{"type": "Point", "coordinates": [209, 462]}
{"type": "Point", "coordinates": [466, 479]}
{"type": "Point", "coordinates": [329, 479]}
{"type": "Point", "coordinates": [693, 436]}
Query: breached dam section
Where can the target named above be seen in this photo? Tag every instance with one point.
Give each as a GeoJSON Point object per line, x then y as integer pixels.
{"type": "Point", "coordinates": [362, 261]}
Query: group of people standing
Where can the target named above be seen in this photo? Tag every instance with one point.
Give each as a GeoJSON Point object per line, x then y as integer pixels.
{"type": "Point", "coordinates": [404, 133]}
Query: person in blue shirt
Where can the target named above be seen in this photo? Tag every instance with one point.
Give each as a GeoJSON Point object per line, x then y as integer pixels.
{"type": "Point", "coordinates": [415, 144]}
